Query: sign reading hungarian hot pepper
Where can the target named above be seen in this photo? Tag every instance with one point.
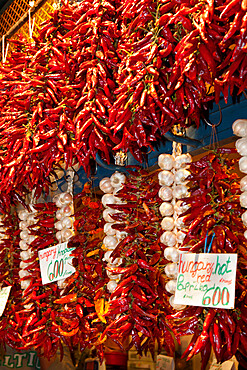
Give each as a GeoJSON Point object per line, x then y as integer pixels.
{"type": "Point", "coordinates": [206, 279]}
{"type": "Point", "coordinates": [56, 263]}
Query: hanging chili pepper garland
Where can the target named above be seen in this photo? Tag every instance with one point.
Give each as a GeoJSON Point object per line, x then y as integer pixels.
{"type": "Point", "coordinates": [109, 76]}
{"type": "Point", "coordinates": [214, 205]}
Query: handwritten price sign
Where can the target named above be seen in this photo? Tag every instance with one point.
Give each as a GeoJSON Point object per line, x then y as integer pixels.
{"type": "Point", "coordinates": [206, 279]}
{"type": "Point", "coordinates": [56, 263]}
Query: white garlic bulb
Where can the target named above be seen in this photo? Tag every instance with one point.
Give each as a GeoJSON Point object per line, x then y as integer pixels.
{"type": "Point", "coordinates": [179, 208]}
{"type": "Point", "coordinates": [244, 218]}
{"type": "Point", "coordinates": [171, 254]}
{"type": "Point", "coordinates": [108, 199]}
{"type": "Point", "coordinates": [176, 306]}
{"type": "Point", "coordinates": [25, 284]}
{"type": "Point", "coordinates": [23, 214]}
{"type": "Point", "coordinates": [241, 146]}
{"type": "Point", "coordinates": [23, 273]}
{"type": "Point", "coordinates": [58, 225]}
{"type": "Point", "coordinates": [243, 183]}
{"type": "Point", "coordinates": [65, 198]}
{"type": "Point", "coordinates": [239, 127]}
{"type": "Point", "coordinates": [166, 161]}
{"type": "Point", "coordinates": [167, 223]}
{"type": "Point", "coordinates": [168, 238]}
{"type": "Point", "coordinates": [179, 223]}
{"type": "Point", "coordinates": [243, 199]}
{"type": "Point", "coordinates": [107, 215]}
{"type": "Point", "coordinates": [117, 179]}
{"type": "Point", "coordinates": [181, 175]}
{"type": "Point", "coordinates": [111, 285]}
{"type": "Point", "coordinates": [243, 164]}
{"type": "Point", "coordinates": [166, 178]}
{"type": "Point", "coordinates": [180, 236]}
{"type": "Point", "coordinates": [113, 276]}
{"type": "Point", "coordinates": [110, 242]}
{"type": "Point", "coordinates": [166, 209]}
{"type": "Point", "coordinates": [105, 185]}
{"type": "Point", "coordinates": [245, 234]}
{"type": "Point", "coordinates": [23, 245]}
{"type": "Point", "coordinates": [180, 191]}
{"type": "Point", "coordinates": [182, 160]}
{"type": "Point", "coordinates": [171, 270]}
{"type": "Point", "coordinates": [171, 286]}
{"type": "Point", "coordinates": [108, 230]}
{"type": "Point", "coordinates": [165, 193]}
{"type": "Point", "coordinates": [121, 234]}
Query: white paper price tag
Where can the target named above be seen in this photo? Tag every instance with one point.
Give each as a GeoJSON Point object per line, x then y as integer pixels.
{"type": "Point", "coordinates": [56, 263]}
{"type": "Point", "coordinates": [165, 363]}
{"type": "Point", "coordinates": [227, 365]}
{"type": "Point", "coordinates": [4, 295]}
{"type": "Point", "coordinates": [206, 279]}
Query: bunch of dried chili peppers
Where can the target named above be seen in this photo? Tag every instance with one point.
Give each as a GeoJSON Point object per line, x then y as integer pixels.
{"type": "Point", "coordinates": [215, 213]}
{"type": "Point", "coordinates": [114, 75]}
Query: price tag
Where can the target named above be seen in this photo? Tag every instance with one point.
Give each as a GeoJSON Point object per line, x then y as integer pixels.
{"type": "Point", "coordinates": [4, 295]}
{"type": "Point", "coordinates": [56, 263]}
{"type": "Point", "coordinates": [165, 363]}
{"type": "Point", "coordinates": [206, 279]}
{"type": "Point", "coordinates": [227, 365]}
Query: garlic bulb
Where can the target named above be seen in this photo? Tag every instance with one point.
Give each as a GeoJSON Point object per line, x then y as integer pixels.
{"type": "Point", "coordinates": [111, 285]}
{"type": "Point", "coordinates": [166, 209]}
{"type": "Point", "coordinates": [243, 183]}
{"type": "Point", "coordinates": [117, 179]}
{"type": "Point", "coordinates": [110, 242]}
{"type": "Point", "coordinates": [239, 127]}
{"type": "Point", "coordinates": [167, 223]}
{"type": "Point", "coordinates": [171, 254]}
{"type": "Point", "coordinates": [25, 284]}
{"type": "Point", "coordinates": [176, 306]}
{"type": "Point", "coordinates": [166, 161]}
{"type": "Point", "coordinates": [58, 225]}
{"type": "Point", "coordinates": [108, 230]}
{"type": "Point", "coordinates": [179, 208]}
{"type": "Point", "coordinates": [182, 160]}
{"type": "Point", "coordinates": [105, 185]}
{"type": "Point", "coordinates": [107, 215]}
{"type": "Point", "coordinates": [243, 199]}
{"type": "Point", "coordinates": [23, 245]}
{"type": "Point", "coordinates": [180, 236]}
{"type": "Point", "coordinates": [166, 178]}
{"type": "Point", "coordinates": [181, 175]}
{"type": "Point", "coordinates": [24, 234]}
{"type": "Point", "coordinates": [243, 164]}
{"type": "Point", "coordinates": [244, 218]}
{"type": "Point", "coordinates": [23, 273]}
{"type": "Point", "coordinates": [171, 286]}
{"type": "Point", "coordinates": [245, 234]}
{"type": "Point", "coordinates": [180, 191]}
{"type": "Point", "coordinates": [165, 193]}
{"type": "Point", "coordinates": [241, 146]}
{"type": "Point", "coordinates": [108, 199]}
{"type": "Point", "coordinates": [23, 214]}
{"type": "Point", "coordinates": [171, 270]}
{"type": "Point", "coordinates": [113, 276]}
{"type": "Point", "coordinates": [121, 234]}
{"type": "Point", "coordinates": [65, 198]}
{"type": "Point", "coordinates": [168, 238]}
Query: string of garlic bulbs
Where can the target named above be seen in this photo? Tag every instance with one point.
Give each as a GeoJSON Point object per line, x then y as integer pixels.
{"type": "Point", "coordinates": [26, 219]}
{"type": "Point", "coordinates": [110, 187]}
{"type": "Point", "coordinates": [240, 129]}
{"type": "Point", "coordinates": [173, 182]}
{"type": "Point", "coordinates": [64, 216]}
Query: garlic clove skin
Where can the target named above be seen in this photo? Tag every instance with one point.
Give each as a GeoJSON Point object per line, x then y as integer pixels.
{"type": "Point", "coordinates": [112, 276]}
{"type": "Point", "coordinates": [166, 178]}
{"type": "Point", "coordinates": [179, 208]}
{"type": "Point", "coordinates": [243, 164]}
{"type": "Point", "coordinates": [24, 234]}
{"type": "Point", "coordinates": [59, 225]}
{"type": "Point", "coordinates": [171, 270]}
{"type": "Point", "coordinates": [23, 225]}
{"type": "Point", "coordinates": [167, 223]}
{"type": "Point", "coordinates": [168, 238]}
{"type": "Point", "coordinates": [245, 234]}
{"type": "Point", "coordinates": [23, 273]}
{"type": "Point", "coordinates": [23, 265]}
{"type": "Point", "coordinates": [23, 245]}
{"type": "Point", "coordinates": [59, 214]}
{"type": "Point", "coordinates": [105, 185]}
{"type": "Point", "coordinates": [166, 161]}
{"type": "Point", "coordinates": [166, 209]}
{"type": "Point", "coordinates": [171, 286]}
{"type": "Point", "coordinates": [121, 234]}
{"type": "Point", "coordinates": [179, 223]}
{"type": "Point", "coordinates": [165, 193]}
{"type": "Point", "coordinates": [111, 286]}
{"type": "Point", "coordinates": [243, 183]}
{"type": "Point", "coordinates": [25, 255]}
{"type": "Point", "coordinates": [107, 215]}
{"type": "Point", "coordinates": [23, 214]}
{"type": "Point", "coordinates": [180, 191]}
{"type": "Point", "coordinates": [243, 199]}
{"type": "Point", "coordinates": [25, 284]}
{"type": "Point", "coordinates": [239, 127]}
{"type": "Point", "coordinates": [171, 254]}
{"type": "Point", "coordinates": [65, 198]}
{"type": "Point", "coordinates": [67, 222]}
{"type": "Point", "coordinates": [117, 179]}
{"type": "Point", "coordinates": [180, 236]}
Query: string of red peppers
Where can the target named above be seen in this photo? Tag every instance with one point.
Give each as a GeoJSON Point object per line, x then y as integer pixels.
{"type": "Point", "coordinates": [215, 209]}
{"type": "Point", "coordinates": [111, 75]}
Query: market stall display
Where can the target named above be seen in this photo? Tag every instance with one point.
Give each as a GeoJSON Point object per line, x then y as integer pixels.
{"type": "Point", "coordinates": [104, 76]}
